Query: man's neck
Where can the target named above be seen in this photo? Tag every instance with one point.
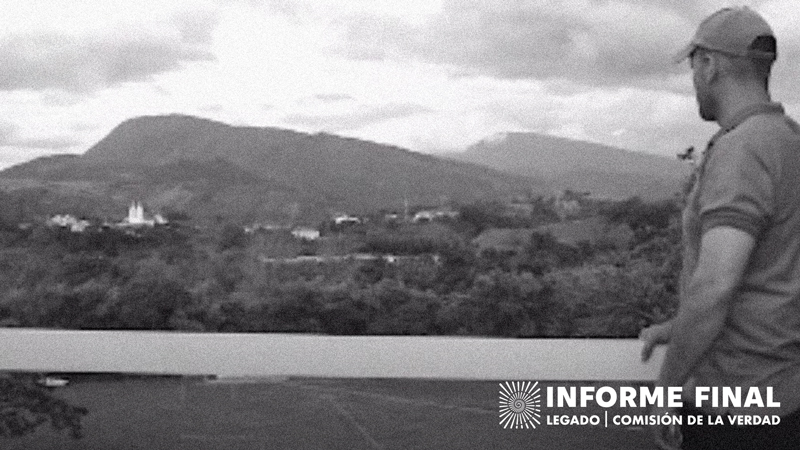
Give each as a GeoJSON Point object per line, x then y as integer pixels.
{"type": "Point", "coordinates": [740, 99]}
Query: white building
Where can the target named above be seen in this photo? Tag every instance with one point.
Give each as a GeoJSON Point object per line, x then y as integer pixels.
{"type": "Point", "coordinates": [431, 215]}
{"type": "Point", "coordinates": [306, 233]}
{"type": "Point", "coordinates": [68, 221]}
{"type": "Point", "coordinates": [424, 216]}
{"type": "Point", "coordinates": [256, 227]}
{"type": "Point", "coordinates": [346, 219]}
{"type": "Point", "coordinates": [61, 220]}
{"type": "Point", "coordinates": [137, 218]}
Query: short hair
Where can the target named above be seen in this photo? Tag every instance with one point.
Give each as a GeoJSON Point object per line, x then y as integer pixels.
{"type": "Point", "coordinates": [744, 68]}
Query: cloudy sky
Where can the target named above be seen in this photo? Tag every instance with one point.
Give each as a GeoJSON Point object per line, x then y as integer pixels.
{"type": "Point", "coordinates": [428, 75]}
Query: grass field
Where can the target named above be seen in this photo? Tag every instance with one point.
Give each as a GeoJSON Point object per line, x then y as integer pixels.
{"type": "Point", "coordinates": [302, 413]}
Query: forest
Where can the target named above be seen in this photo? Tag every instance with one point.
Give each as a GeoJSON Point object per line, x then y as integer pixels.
{"type": "Point", "coordinates": [416, 279]}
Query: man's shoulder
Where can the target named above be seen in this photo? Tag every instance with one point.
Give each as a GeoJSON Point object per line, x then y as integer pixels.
{"type": "Point", "coordinates": [764, 133]}
{"type": "Point", "coordinates": [766, 127]}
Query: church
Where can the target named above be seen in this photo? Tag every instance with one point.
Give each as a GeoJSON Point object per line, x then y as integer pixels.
{"type": "Point", "coordinates": [136, 217]}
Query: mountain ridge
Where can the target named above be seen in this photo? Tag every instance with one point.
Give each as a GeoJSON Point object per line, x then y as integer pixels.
{"type": "Point", "coordinates": [563, 163]}
{"type": "Point", "coordinates": [251, 173]}
{"type": "Point", "coordinates": [215, 171]}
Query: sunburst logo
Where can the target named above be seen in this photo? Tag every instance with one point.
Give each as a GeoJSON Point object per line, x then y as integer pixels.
{"type": "Point", "coordinates": [520, 403]}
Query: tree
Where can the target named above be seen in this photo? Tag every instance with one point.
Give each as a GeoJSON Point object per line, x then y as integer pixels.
{"type": "Point", "coordinates": [24, 407]}
{"type": "Point", "coordinates": [644, 218]}
{"type": "Point", "coordinates": [150, 305]}
{"type": "Point", "coordinates": [457, 268]}
{"type": "Point", "coordinates": [610, 300]}
{"type": "Point", "coordinates": [544, 253]}
{"type": "Point", "coordinates": [510, 305]}
{"type": "Point", "coordinates": [232, 236]}
{"type": "Point", "coordinates": [492, 214]}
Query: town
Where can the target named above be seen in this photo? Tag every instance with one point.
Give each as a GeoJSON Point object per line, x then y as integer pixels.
{"type": "Point", "coordinates": [565, 265]}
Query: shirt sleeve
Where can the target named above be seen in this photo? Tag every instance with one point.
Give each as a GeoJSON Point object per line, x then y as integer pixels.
{"type": "Point", "coordinates": [737, 190]}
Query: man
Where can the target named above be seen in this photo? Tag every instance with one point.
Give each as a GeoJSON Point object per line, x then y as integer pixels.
{"type": "Point", "coordinates": [738, 323]}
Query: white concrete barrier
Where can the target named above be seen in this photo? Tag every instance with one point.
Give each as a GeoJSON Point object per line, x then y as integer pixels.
{"type": "Point", "coordinates": [267, 355]}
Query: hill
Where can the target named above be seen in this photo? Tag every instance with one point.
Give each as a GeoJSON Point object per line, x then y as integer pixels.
{"type": "Point", "coordinates": [582, 166]}
{"type": "Point", "coordinates": [210, 169]}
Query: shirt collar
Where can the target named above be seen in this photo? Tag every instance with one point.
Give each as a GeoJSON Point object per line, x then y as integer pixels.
{"type": "Point", "coordinates": [745, 113]}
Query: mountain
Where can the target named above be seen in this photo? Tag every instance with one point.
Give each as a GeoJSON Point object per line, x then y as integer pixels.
{"type": "Point", "coordinates": [212, 170]}
{"type": "Point", "coordinates": [582, 166]}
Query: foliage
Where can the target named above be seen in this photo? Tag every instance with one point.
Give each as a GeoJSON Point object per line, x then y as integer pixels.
{"type": "Point", "coordinates": [501, 304]}
{"type": "Point", "coordinates": [643, 218]}
{"type": "Point", "coordinates": [232, 236]}
{"type": "Point", "coordinates": [434, 283]}
{"type": "Point", "coordinates": [24, 407]}
{"type": "Point", "coordinates": [483, 215]}
{"type": "Point", "coordinates": [608, 300]}
{"type": "Point", "coordinates": [399, 244]}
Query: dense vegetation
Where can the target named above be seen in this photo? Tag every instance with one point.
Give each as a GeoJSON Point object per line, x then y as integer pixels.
{"type": "Point", "coordinates": [437, 282]}
{"type": "Point", "coordinates": [375, 278]}
{"type": "Point", "coordinates": [24, 406]}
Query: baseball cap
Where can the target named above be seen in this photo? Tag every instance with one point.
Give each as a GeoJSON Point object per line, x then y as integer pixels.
{"type": "Point", "coordinates": [734, 31]}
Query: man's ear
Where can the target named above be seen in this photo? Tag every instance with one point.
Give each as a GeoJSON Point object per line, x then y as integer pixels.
{"type": "Point", "coordinates": [711, 65]}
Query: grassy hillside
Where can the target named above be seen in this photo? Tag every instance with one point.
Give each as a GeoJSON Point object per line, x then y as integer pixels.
{"type": "Point", "coordinates": [583, 166]}
{"type": "Point", "coordinates": [210, 169]}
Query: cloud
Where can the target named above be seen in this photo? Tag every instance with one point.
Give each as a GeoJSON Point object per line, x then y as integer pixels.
{"type": "Point", "coordinates": [355, 119]}
{"type": "Point", "coordinates": [371, 38]}
{"type": "Point", "coordinates": [213, 108]}
{"type": "Point", "coordinates": [83, 126]}
{"type": "Point", "coordinates": [7, 133]}
{"type": "Point", "coordinates": [591, 42]}
{"type": "Point", "coordinates": [196, 27]}
{"type": "Point", "coordinates": [332, 98]}
{"type": "Point", "coordinates": [607, 43]}
{"type": "Point", "coordinates": [646, 120]}
{"type": "Point", "coordinates": [61, 98]}
{"type": "Point", "coordinates": [10, 137]}
{"type": "Point", "coordinates": [50, 143]}
{"type": "Point", "coordinates": [80, 64]}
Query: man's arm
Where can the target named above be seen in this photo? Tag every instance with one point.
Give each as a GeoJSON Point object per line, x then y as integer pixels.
{"type": "Point", "coordinates": [724, 254]}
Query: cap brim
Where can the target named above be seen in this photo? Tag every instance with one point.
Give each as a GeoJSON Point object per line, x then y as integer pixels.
{"type": "Point", "coordinates": [683, 54]}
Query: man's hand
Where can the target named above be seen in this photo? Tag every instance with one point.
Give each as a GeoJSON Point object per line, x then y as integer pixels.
{"type": "Point", "coordinates": [667, 437]}
{"type": "Point", "coordinates": [654, 335]}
